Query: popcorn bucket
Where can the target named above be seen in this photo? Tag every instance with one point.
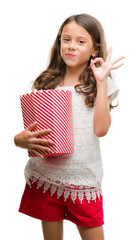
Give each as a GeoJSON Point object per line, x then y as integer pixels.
{"type": "Point", "coordinates": [50, 109]}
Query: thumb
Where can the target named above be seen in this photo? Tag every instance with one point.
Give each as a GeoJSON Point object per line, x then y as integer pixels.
{"type": "Point", "coordinates": [92, 65]}
{"type": "Point", "coordinates": [32, 126]}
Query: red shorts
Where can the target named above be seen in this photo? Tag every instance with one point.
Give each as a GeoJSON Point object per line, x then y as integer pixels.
{"type": "Point", "coordinates": [45, 207]}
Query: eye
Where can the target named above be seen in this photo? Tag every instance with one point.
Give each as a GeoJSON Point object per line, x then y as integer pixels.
{"type": "Point", "coordinates": [66, 39]}
{"type": "Point", "coordinates": [81, 41]}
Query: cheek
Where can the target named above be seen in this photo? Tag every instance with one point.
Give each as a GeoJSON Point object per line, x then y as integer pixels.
{"type": "Point", "coordinates": [86, 54]}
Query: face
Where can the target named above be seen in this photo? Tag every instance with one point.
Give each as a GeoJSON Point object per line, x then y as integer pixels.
{"type": "Point", "coordinates": [76, 45]}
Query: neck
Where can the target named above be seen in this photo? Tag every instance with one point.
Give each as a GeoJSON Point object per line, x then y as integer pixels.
{"type": "Point", "coordinates": [72, 76]}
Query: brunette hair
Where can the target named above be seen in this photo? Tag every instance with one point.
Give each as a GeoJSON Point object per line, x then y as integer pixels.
{"type": "Point", "coordinates": [55, 71]}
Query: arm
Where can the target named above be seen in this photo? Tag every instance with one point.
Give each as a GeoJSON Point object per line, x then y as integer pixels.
{"type": "Point", "coordinates": [102, 118]}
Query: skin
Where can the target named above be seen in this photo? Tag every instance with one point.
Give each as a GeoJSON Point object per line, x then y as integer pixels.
{"type": "Point", "coordinates": [54, 231]}
{"type": "Point", "coordinates": [72, 44]}
{"type": "Point", "coordinates": [76, 49]}
{"type": "Point", "coordinates": [29, 140]}
{"type": "Point", "coordinates": [102, 118]}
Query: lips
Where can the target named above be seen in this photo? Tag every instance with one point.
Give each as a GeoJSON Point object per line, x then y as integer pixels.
{"type": "Point", "coordinates": [70, 55]}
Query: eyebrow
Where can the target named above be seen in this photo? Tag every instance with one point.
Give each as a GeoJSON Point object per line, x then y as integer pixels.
{"type": "Point", "coordinates": [67, 35]}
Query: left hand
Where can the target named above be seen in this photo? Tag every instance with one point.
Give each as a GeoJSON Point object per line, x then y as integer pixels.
{"type": "Point", "coordinates": [101, 73]}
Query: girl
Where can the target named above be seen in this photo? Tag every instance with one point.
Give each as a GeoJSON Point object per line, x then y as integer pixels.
{"type": "Point", "coordinates": [69, 186]}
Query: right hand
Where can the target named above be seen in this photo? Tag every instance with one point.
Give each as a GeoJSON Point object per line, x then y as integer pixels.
{"type": "Point", "coordinates": [29, 140]}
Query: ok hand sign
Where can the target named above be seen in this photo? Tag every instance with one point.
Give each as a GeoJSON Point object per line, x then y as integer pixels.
{"type": "Point", "coordinates": [101, 73]}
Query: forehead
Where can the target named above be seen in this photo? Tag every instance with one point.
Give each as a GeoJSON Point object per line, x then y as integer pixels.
{"type": "Point", "coordinates": [74, 29]}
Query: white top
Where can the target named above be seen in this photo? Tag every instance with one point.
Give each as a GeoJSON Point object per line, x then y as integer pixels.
{"type": "Point", "coordinates": [80, 173]}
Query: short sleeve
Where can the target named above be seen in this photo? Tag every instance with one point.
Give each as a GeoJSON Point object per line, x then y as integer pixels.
{"type": "Point", "coordinates": [112, 89]}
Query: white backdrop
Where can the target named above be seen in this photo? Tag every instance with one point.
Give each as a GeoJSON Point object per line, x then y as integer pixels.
{"type": "Point", "coordinates": [28, 29]}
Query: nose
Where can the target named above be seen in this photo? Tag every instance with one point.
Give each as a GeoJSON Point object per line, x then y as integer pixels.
{"type": "Point", "coordinates": [72, 45]}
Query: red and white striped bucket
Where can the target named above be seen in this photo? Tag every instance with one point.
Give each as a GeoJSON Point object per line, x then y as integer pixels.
{"type": "Point", "coordinates": [50, 109]}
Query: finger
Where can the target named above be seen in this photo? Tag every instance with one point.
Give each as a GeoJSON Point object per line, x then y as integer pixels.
{"type": "Point", "coordinates": [115, 67]}
{"type": "Point", "coordinates": [100, 60]}
{"type": "Point", "coordinates": [41, 132]}
{"type": "Point", "coordinates": [32, 126]}
{"type": "Point", "coordinates": [117, 60]}
{"type": "Point", "coordinates": [92, 63]}
{"type": "Point", "coordinates": [108, 58]}
{"type": "Point", "coordinates": [36, 153]}
{"type": "Point", "coordinates": [39, 147]}
{"type": "Point", "coordinates": [42, 141]}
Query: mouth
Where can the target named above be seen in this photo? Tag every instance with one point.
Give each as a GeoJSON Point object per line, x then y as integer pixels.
{"type": "Point", "coordinates": [69, 55]}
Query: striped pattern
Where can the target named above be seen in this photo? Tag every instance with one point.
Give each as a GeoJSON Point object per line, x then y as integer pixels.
{"type": "Point", "coordinates": [50, 109]}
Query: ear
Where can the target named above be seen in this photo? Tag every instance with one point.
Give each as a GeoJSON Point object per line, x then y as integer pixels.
{"type": "Point", "coordinates": [95, 51]}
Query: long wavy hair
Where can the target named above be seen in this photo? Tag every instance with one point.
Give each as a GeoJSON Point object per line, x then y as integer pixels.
{"type": "Point", "coordinates": [56, 69]}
